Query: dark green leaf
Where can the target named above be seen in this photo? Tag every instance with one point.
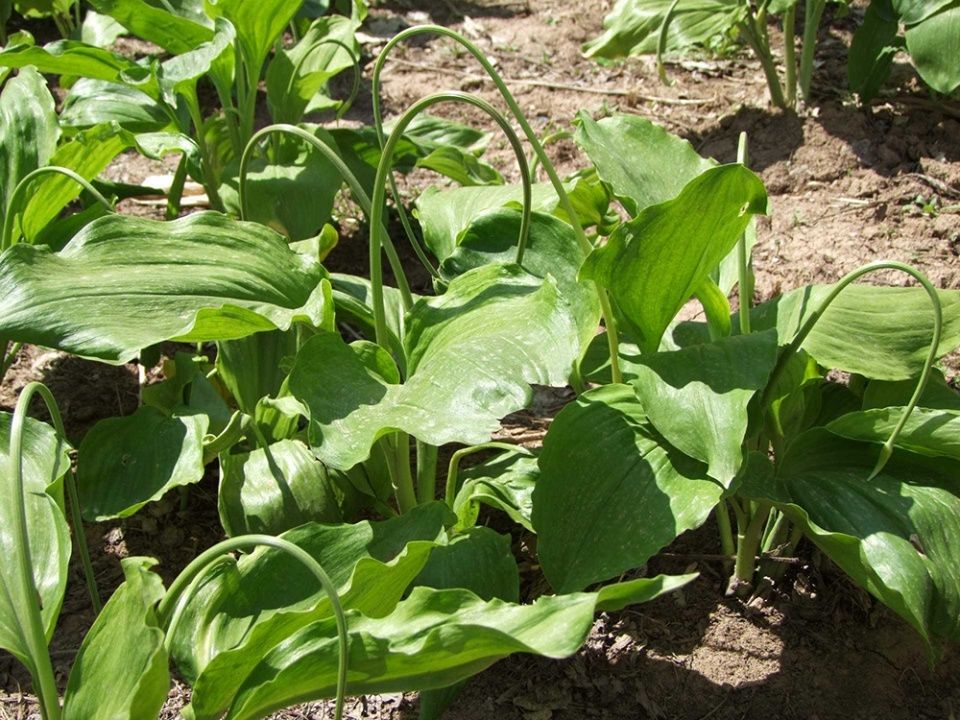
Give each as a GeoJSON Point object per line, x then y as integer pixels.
{"type": "Point", "coordinates": [928, 432]}
{"type": "Point", "coordinates": [872, 50]}
{"type": "Point", "coordinates": [934, 46]}
{"type": "Point", "coordinates": [505, 483]}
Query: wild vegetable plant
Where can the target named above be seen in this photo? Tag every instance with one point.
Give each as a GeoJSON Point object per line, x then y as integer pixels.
{"type": "Point", "coordinates": [737, 417]}
{"type": "Point", "coordinates": [637, 27]}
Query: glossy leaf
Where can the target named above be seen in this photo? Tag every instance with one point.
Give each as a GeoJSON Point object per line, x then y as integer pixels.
{"type": "Point", "coordinates": [125, 462]}
{"type": "Point", "coordinates": [126, 283]}
{"type": "Point", "coordinates": [928, 432]}
{"type": "Point", "coordinates": [173, 33]}
{"type": "Point", "coordinates": [611, 491]}
{"type": "Point", "coordinates": [433, 639]}
{"type": "Point", "coordinates": [937, 393]}
{"type": "Point", "coordinates": [100, 30]}
{"type": "Point", "coordinates": [28, 130]}
{"type": "Point", "coordinates": [934, 47]}
{"type": "Point", "coordinates": [92, 102]}
{"type": "Point", "coordinates": [633, 27]}
{"type": "Point", "coordinates": [654, 263]}
{"type": "Point", "coordinates": [642, 163]}
{"type": "Point", "coordinates": [505, 483]}
{"type": "Point", "coordinates": [479, 560]}
{"type": "Point", "coordinates": [697, 397]}
{"type": "Point", "coordinates": [897, 535]}
{"type": "Point", "coordinates": [880, 332]}
{"type": "Point", "coordinates": [493, 322]}
{"type": "Point", "coordinates": [45, 463]}
{"type": "Point", "coordinates": [273, 489]}
{"type": "Point", "coordinates": [124, 652]}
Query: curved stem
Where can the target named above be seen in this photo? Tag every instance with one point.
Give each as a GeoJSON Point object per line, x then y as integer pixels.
{"type": "Point", "coordinates": [377, 203]}
{"type": "Point", "coordinates": [356, 189]}
{"type": "Point", "coordinates": [453, 469]}
{"type": "Point", "coordinates": [585, 245]}
{"type": "Point", "coordinates": [41, 668]}
{"type": "Point", "coordinates": [177, 595]}
{"type": "Point", "coordinates": [887, 450]}
{"type": "Point", "coordinates": [16, 197]}
{"type": "Point", "coordinates": [355, 88]}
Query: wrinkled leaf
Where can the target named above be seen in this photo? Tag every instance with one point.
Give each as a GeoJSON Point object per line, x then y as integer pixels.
{"type": "Point", "coordinates": [505, 483]}
{"type": "Point", "coordinates": [173, 33]}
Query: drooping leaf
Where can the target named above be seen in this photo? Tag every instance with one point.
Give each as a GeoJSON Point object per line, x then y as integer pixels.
{"type": "Point", "coordinates": [934, 46]}
{"type": "Point", "coordinates": [472, 354]}
{"type": "Point", "coordinates": [697, 397]}
{"type": "Point", "coordinates": [654, 263]}
{"type": "Point", "coordinates": [125, 462]}
{"type": "Point", "coordinates": [880, 332]}
{"type": "Point", "coordinates": [433, 639]}
{"type": "Point", "coordinates": [445, 214]}
{"type": "Point", "coordinates": [124, 652]}
{"type": "Point", "coordinates": [273, 489]}
{"type": "Point", "coordinates": [28, 130]}
{"type": "Point", "coordinates": [45, 463]}
{"type": "Point", "coordinates": [611, 491]}
{"type": "Point", "coordinates": [173, 33]}
{"type": "Point", "coordinates": [633, 26]}
{"type": "Point", "coordinates": [897, 535]}
{"type": "Point", "coordinates": [643, 163]}
{"type": "Point", "coordinates": [127, 283]}
{"type": "Point", "coordinates": [505, 483]}
{"type": "Point", "coordinates": [214, 58]}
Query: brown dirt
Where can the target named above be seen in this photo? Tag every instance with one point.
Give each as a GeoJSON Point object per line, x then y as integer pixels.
{"type": "Point", "coordinates": [848, 185]}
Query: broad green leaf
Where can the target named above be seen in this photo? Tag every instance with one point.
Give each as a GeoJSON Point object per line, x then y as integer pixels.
{"type": "Point", "coordinates": [292, 193]}
{"type": "Point", "coordinates": [880, 332]}
{"type": "Point", "coordinates": [472, 355]}
{"type": "Point", "coordinates": [937, 393]}
{"type": "Point", "coordinates": [127, 283]}
{"type": "Point", "coordinates": [173, 33]}
{"type": "Point", "coordinates": [125, 462]}
{"type": "Point", "coordinates": [214, 58]}
{"type": "Point", "coordinates": [697, 397]}
{"type": "Point", "coordinates": [92, 102]}
{"type": "Point", "coordinates": [122, 652]}
{"type": "Point", "coordinates": [934, 47]}
{"type": "Point", "coordinates": [42, 8]}
{"type": "Point", "coordinates": [911, 12]}
{"type": "Point", "coordinates": [505, 483]}
{"type": "Point", "coordinates": [87, 154]}
{"type": "Point", "coordinates": [353, 297]}
{"type": "Point", "coordinates": [611, 491]}
{"type": "Point", "coordinates": [872, 50]}
{"type": "Point", "coordinates": [479, 560]}
{"type": "Point", "coordinates": [642, 163]}
{"type": "Point", "coordinates": [273, 489]}
{"type": "Point", "coordinates": [296, 76]}
{"type": "Point", "coordinates": [928, 432]}
{"type": "Point", "coordinates": [100, 30]}
{"type": "Point", "coordinates": [633, 27]}
{"type": "Point", "coordinates": [654, 263]}
{"type": "Point", "coordinates": [45, 463]}
{"type": "Point", "coordinates": [445, 214]}
{"type": "Point", "coordinates": [242, 610]}
{"type": "Point", "coordinates": [429, 133]}
{"type": "Point", "coordinates": [75, 59]}
{"type": "Point", "coordinates": [461, 167]}
{"type": "Point", "coordinates": [897, 535]}
{"type": "Point", "coordinates": [552, 250]}
{"type": "Point", "coordinates": [28, 130]}
{"type": "Point", "coordinates": [433, 639]}
{"type": "Point", "coordinates": [255, 367]}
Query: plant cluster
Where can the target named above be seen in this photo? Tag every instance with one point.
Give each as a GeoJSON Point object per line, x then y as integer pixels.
{"type": "Point", "coordinates": [322, 398]}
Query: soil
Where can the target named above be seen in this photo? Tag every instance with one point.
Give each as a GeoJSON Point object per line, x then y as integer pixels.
{"type": "Point", "coordinates": [848, 184]}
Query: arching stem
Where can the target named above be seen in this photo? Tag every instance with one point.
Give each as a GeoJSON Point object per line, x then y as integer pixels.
{"type": "Point", "coordinates": [887, 450]}
{"type": "Point", "coordinates": [16, 197]}
{"type": "Point", "coordinates": [565, 202]}
{"type": "Point", "coordinates": [180, 591]}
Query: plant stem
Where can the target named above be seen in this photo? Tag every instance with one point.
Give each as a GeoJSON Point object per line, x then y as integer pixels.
{"type": "Point", "coordinates": [745, 280]}
{"type": "Point", "coordinates": [811, 23]}
{"type": "Point", "coordinates": [356, 189]}
{"type": "Point", "coordinates": [170, 608]}
{"type": "Point", "coordinates": [10, 354]}
{"type": "Point", "coordinates": [175, 194]}
{"type": "Point", "coordinates": [726, 532]}
{"type": "Point", "coordinates": [426, 472]}
{"type": "Point", "coordinates": [16, 198]}
{"type": "Point", "coordinates": [209, 176]}
{"type": "Point", "coordinates": [887, 450]}
{"type": "Point", "coordinates": [750, 31]}
{"type": "Point", "coordinates": [398, 461]}
{"type": "Point", "coordinates": [24, 598]}
{"type": "Point", "coordinates": [790, 54]}
{"type": "Point", "coordinates": [453, 469]}
{"type": "Point", "coordinates": [585, 245]}
{"type": "Point", "coordinates": [747, 545]}
{"type": "Point", "coordinates": [80, 539]}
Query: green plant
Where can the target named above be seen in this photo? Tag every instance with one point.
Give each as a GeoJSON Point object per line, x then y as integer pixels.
{"type": "Point", "coordinates": [737, 414]}
{"type": "Point", "coordinates": [659, 26]}
{"type": "Point", "coordinates": [930, 31]}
